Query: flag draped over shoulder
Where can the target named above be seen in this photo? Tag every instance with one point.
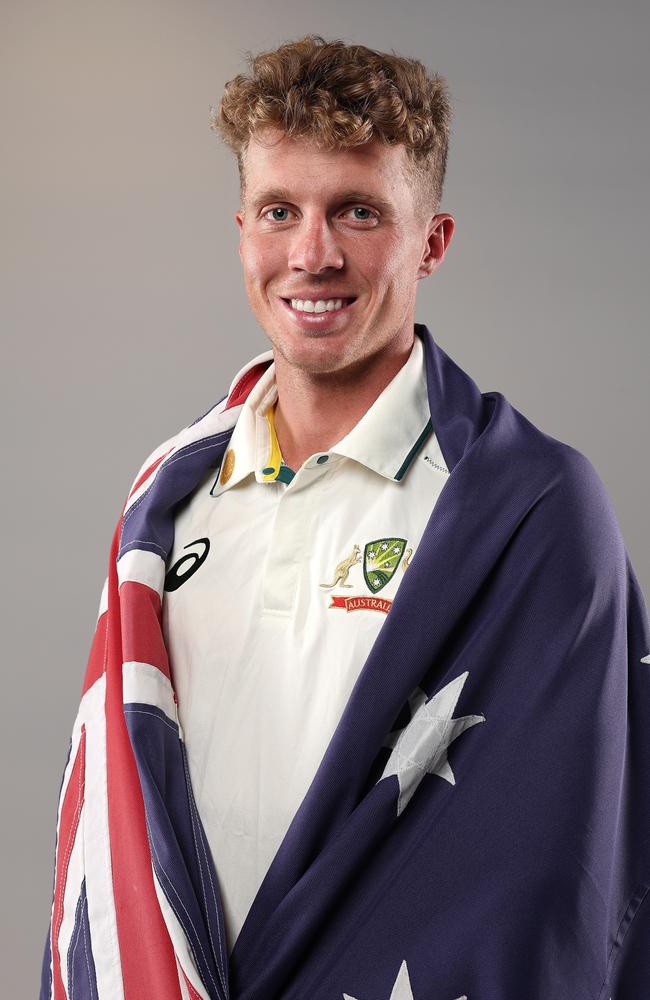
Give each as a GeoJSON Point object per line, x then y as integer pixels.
{"type": "Point", "coordinates": [479, 826]}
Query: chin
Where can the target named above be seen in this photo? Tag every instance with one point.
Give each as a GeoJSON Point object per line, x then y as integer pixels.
{"type": "Point", "coordinates": [312, 359]}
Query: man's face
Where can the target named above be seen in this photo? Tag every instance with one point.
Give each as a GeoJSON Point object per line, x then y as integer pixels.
{"type": "Point", "coordinates": [324, 225]}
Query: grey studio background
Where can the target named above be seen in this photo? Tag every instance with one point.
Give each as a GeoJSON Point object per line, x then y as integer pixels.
{"type": "Point", "coordinates": [124, 314]}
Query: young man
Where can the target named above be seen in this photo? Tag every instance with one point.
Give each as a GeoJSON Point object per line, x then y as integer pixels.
{"type": "Point", "coordinates": [365, 714]}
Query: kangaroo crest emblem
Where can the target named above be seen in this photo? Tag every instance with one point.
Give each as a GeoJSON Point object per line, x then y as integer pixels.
{"type": "Point", "coordinates": [380, 560]}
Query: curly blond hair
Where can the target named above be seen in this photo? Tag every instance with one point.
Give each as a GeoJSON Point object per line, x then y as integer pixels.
{"type": "Point", "coordinates": [341, 96]}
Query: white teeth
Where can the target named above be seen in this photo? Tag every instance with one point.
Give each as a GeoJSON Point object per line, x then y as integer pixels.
{"type": "Point", "coordinates": [321, 305]}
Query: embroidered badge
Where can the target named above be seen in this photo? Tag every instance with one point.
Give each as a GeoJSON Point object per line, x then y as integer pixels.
{"type": "Point", "coordinates": [361, 602]}
{"type": "Point", "coordinates": [380, 560]}
{"type": "Point", "coordinates": [343, 568]}
{"type": "Point", "coordinates": [401, 987]}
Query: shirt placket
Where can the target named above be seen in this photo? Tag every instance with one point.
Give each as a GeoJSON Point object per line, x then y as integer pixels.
{"type": "Point", "coordinates": [291, 539]}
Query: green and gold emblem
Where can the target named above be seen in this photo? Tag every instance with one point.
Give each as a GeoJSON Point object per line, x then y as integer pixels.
{"type": "Point", "coordinates": [380, 560]}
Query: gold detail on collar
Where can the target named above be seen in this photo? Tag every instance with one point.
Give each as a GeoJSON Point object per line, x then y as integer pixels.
{"type": "Point", "coordinates": [227, 467]}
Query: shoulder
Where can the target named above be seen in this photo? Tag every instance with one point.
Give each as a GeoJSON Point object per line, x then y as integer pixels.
{"type": "Point", "coordinates": [565, 506]}
{"type": "Point", "coordinates": [576, 512]}
{"type": "Point", "coordinates": [557, 466]}
{"type": "Point", "coordinates": [152, 461]}
{"type": "Point", "coordinates": [219, 416]}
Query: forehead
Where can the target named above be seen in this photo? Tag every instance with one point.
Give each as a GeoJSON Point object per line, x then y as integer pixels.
{"type": "Point", "coordinates": [281, 161]}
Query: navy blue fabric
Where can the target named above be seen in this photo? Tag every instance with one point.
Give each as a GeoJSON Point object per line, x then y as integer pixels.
{"type": "Point", "coordinates": [149, 522]}
{"type": "Point", "coordinates": [82, 980]}
{"type": "Point", "coordinates": [526, 876]}
{"type": "Point", "coordinates": [177, 840]}
{"type": "Point", "coordinates": [46, 971]}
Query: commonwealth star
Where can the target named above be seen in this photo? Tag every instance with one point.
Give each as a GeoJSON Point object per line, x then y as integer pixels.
{"type": "Point", "coordinates": [401, 987]}
{"type": "Point", "coordinates": [421, 747]}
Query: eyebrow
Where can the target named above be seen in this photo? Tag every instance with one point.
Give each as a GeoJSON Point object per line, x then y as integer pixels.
{"type": "Point", "coordinates": [283, 194]}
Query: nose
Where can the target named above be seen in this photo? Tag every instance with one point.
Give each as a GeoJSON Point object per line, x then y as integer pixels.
{"type": "Point", "coordinates": [314, 247]}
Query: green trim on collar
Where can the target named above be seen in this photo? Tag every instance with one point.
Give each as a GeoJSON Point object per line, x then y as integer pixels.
{"type": "Point", "coordinates": [285, 474]}
{"type": "Point", "coordinates": [411, 455]}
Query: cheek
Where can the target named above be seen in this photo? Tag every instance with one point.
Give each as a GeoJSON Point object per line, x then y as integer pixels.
{"type": "Point", "coordinates": [393, 274]}
{"type": "Point", "coordinates": [259, 261]}
{"type": "Point", "coordinates": [403, 267]}
{"type": "Point", "coordinates": [390, 263]}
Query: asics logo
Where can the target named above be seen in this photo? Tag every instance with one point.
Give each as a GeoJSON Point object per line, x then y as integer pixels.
{"type": "Point", "coordinates": [187, 565]}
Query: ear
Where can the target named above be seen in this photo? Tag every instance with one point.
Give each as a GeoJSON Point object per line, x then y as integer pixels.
{"type": "Point", "coordinates": [438, 237]}
{"type": "Point", "coordinates": [239, 219]}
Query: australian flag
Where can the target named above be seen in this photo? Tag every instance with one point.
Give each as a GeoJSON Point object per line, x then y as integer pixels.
{"type": "Point", "coordinates": [479, 825]}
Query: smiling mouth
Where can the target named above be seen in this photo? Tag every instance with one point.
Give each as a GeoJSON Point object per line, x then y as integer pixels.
{"type": "Point", "coordinates": [331, 306]}
{"type": "Point", "coordinates": [334, 319]}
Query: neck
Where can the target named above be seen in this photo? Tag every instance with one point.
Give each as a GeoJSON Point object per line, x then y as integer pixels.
{"type": "Point", "coordinates": [315, 410]}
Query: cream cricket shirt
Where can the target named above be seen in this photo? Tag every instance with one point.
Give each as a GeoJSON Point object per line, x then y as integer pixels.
{"type": "Point", "coordinates": [277, 585]}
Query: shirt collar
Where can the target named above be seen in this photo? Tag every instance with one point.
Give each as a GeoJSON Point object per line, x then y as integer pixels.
{"type": "Point", "coordinates": [385, 439]}
{"type": "Point", "coordinates": [250, 445]}
{"type": "Point", "coordinates": [390, 432]}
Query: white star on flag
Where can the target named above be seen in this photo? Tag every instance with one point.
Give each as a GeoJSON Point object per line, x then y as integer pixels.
{"type": "Point", "coordinates": [421, 747]}
{"type": "Point", "coordinates": [645, 659]}
{"type": "Point", "coordinates": [402, 986]}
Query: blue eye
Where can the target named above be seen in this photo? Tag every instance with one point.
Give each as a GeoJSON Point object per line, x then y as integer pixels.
{"type": "Point", "coordinates": [271, 214]}
{"type": "Point", "coordinates": [278, 209]}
